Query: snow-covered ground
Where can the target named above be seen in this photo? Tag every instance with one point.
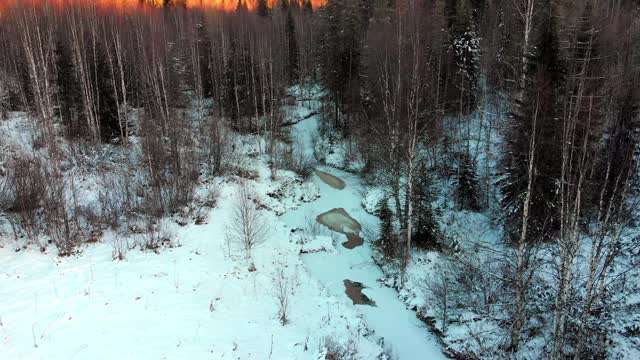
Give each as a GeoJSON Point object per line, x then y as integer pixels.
{"type": "Point", "coordinates": [190, 301]}
{"type": "Point", "coordinates": [407, 336]}
{"type": "Point", "coordinates": [197, 299]}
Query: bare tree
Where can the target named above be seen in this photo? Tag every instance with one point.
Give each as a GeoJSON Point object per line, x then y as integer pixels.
{"type": "Point", "coordinates": [440, 286]}
{"type": "Point", "coordinates": [36, 30]}
{"type": "Point", "coordinates": [248, 227]}
{"type": "Point", "coordinates": [62, 213]}
{"type": "Point", "coordinates": [115, 51]}
{"type": "Point", "coordinates": [525, 249]}
{"type": "Point", "coordinates": [578, 159]}
{"type": "Point", "coordinates": [282, 288]}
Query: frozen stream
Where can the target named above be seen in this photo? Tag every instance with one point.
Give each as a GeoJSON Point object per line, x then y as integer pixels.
{"type": "Point", "coordinates": [402, 331]}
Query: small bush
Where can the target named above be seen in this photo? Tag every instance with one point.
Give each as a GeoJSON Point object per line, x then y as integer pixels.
{"type": "Point", "coordinates": [26, 183]}
{"type": "Point", "coordinates": [155, 236]}
{"type": "Point", "coordinates": [64, 226]}
{"type": "Point", "coordinates": [118, 197]}
{"type": "Point", "coordinates": [22, 196]}
{"type": "Point", "coordinates": [282, 289]}
{"type": "Point", "coordinates": [120, 248]}
{"type": "Point", "coordinates": [333, 350]}
{"type": "Point", "coordinates": [300, 161]}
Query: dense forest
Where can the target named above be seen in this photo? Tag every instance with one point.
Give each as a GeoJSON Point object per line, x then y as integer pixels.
{"type": "Point", "coordinates": [523, 111]}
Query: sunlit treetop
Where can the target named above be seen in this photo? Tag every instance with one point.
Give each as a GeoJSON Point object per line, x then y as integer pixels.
{"type": "Point", "coordinates": [226, 5]}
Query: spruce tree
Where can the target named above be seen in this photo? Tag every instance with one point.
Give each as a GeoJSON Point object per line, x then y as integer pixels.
{"type": "Point", "coordinates": [294, 52]}
{"type": "Point", "coordinates": [25, 84]}
{"type": "Point", "coordinates": [426, 232]}
{"type": "Point", "coordinates": [386, 240]}
{"type": "Point", "coordinates": [343, 29]}
{"type": "Point", "coordinates": [237, 100]}
{"type": "Point", "coordinates": [242, 7]}
{"type": "Point", "coordinates": [263, 8]}
{"type": "Point", "coordinates": [284, 5]}
{"type": "Point", "coordinates": [307, 7]}
{"type": "Point", "coordinates": [542, 104]}
{"type": "Point", "coordinates": [204, 53]}
{"type": "Point", "coordinates": [619, 155]}
{"type": "Point", "coordinates": [107, 104]}
{"type": "Point", "coordinates": [467, 187]}
{"type": "Point", "coordinates": [465, 52]}
{"type": "Point", "coordinates": [69, 96]}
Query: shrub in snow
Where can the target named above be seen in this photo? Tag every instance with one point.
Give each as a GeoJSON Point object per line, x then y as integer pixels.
{"type": "Point", "coordinates": [282, 290]}
{"type": "Point", "coordinates": [441, 289]}
{"type": "Point", "coordinates": [332, 349]}
{"type": "Point", "coordinates": [216, 145]}
{"type": "Point", "coordinates": [336, 156]}
{"type": "Point", "coordinates": [120, 248]}
{"type": "Point", "coordinates": [318, 244]}
{"type": "Point", "coordinates": [26, 184]}
{"type": "Point", "coordinates": [308, 192]}
{"type": "Point", "coordinates": [287, 193]}
{"type": "Point", "coordinates": [172, 172]}
{"type": "Point", "coordinates": [155, 235]}
{"type": "Point", "coordinates": [117, 197]}
{"type": "Point", "coordinates": [372, 200]}
{"type": "Point", "coordinates": [301, 161]}
{"type": "Point", "coordinates": [63, 222]}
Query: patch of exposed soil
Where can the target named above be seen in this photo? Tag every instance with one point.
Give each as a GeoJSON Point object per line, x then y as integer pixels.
{"type": "Point", "coordinates": [340, 221]}
{"type": "Point", "coordinates": [353, 241]}
{"type": "Point", "coordinates": [331, 180]}
{"type": "Point", "coordinates": [354, 292]}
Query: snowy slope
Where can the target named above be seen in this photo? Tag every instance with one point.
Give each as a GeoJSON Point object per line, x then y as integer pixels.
{"type": "Point", "coordinates": [190, 301]}
{"type": "Point", "coordinates": [197, 300]}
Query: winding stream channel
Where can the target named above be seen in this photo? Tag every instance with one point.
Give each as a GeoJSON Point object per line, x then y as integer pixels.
{"type": "Point", "coordinates": [350, 271]}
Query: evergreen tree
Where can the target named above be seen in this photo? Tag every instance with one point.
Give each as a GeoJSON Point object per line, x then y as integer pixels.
{"type": "Point", "coordinates": [25, 84]}
{"type": "Point", "coordinates": [619, 155]}
{"type": "Point", "coordinates": [69, 96]}
{"type": "Point", "coordinates": [342, 32]}
{"type": "Point", "coordinates": [107, 104]}
{"type": "Point", "coordinates": [465, 52]}
{"type": "Point", "coordinates": [467, 187]}
{"type": "Point", "coordinates": [284, 5]}
{"type": "Point", "coordinates": [242, 7]}
{"type": "Point", "coordinates": [386, 241]}
{"type": "Point", "coordinates": [425, 232]}
{"type": "Point", "coordinates": [294, 52]}
{"type": "Point", "coordinates": [478, 9]}
{"type": "Point", "coordinates": [236, 95]}
{"type": "Point", "coordinates": [542, 103]}
{"type": "Point", "coordinates": [204, 52]}
{"type": "Point", "coordinates": [382, 9]}
{"type": "Point", "coordinates": [263, 8]}
{"type": "Point", "coordinates": [307, 7]}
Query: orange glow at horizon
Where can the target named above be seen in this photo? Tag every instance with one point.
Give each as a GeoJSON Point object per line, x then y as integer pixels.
{"type": "Point", "coordinates": [226, 5]}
